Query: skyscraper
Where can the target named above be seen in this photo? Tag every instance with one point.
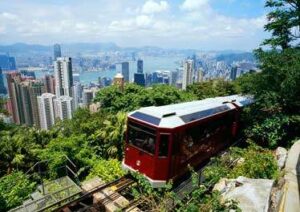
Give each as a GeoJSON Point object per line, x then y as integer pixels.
{"type": "Point", "coordinates": [57, 51]}
{"type": "Point", "coordinates": [199, 75]}
{"type": "Point", "coordinates": [7, 63]}
{"type": "Point", "coordinates": [63, 76]}
{"type": "Point", "coordinates": [36, 88]}
{"type": "Point", "coordinates": [46, 110]}
{"type": "Point", "coordinates": [77, 94]}
{"type": "Point", "coordinates": [174, 76]}
{"type": "Point", "coordinates": [125, 71]}
{"type": "Point", "coordinates": [140, 66]}
{"type": "Point", "coordinates": [63, 107]}
{"type": "Point", "coordinates": [195, 63]}
{"type": "Point", "coordinates": [12, 80]}
{"type": "Point", "coordinates": [187, 76]}
{"type": "Point", "coordinates": [87, 97]}
{"type": "Point", "coordinates": [233, 73]}
{"type": "Point", "coordinates": [49, 82]}
{"type": "Point", "coordinates": [139, 79]}
{"type": "Point", "coordinates": [2, 87]}
{"type": "Point", "coordinates": [28, 91]}
{"type": "Point", "coordinates": [23, 95]}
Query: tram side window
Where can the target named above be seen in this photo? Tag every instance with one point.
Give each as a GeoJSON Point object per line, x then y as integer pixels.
{"type": "Point", "coordinates": [141, 139]}
{"type": "Point", "coordinates": [163, 146]}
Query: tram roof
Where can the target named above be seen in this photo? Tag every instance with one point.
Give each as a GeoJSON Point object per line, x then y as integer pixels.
{"type": "Point", "coordinates": [175, 115]}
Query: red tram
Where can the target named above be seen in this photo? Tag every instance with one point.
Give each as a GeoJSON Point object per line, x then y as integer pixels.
{"type": "Point", "coordinates": [162, 141]}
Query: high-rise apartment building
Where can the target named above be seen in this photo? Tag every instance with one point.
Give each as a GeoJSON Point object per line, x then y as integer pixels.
{"type": "Point", "coordinates": [2, 87]}
{"type": "Point", "coordinates": [46, 110]}
{"type": "Point", "coordinates": [23, 95]}
{"type": "Point", "coordinates": [57, 51]}
{"type": "Point", "coordinates": [49, 82]}
{"type": "Point", "coordinates": [174, 77]}
{"type": "Point", "coordinates": [63, 76]}
{"type": "Point", "coordinates": [187, 75]}
{"type": "Point", "coordinates": [233, 73]}
{"type": "Point", "coordinates": [63, 107]}
{"type": "Point", "coordinates": [87, 97]}
{"type": "Point", "coordinates": [13, 79]}
{"type": "Point", "coordinates": [77, 94]}
{"type": "Point", "coordinates": [29, 90]}
{"type": "Point", "coordinates": [199, 75]}
{"type": "Point", "coordinates": [140, 66]}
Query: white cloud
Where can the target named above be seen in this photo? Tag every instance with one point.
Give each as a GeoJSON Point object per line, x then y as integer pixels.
{"type": "Point", "coordinates": [9, 16]}
{"type": "Point", "coordinates": [192, 24]}
{"type": "Point", "coordinates": [191, 5]}
{"type": "Point", "coordinates": [143, 21]}
{"type": "Point", "coordinates": [151, 7]}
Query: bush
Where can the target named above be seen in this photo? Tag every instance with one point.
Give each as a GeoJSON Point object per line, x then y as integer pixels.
{"type": "Point", "coordinates": [270, 132]}
{"type": "Point", "coordinates": [257, 163]}
{"type": "Point", "coordinates": [107, 170]}
{"type": "Point", "coordinates": [14, 189]}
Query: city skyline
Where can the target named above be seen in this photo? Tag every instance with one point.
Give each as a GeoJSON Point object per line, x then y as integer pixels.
{"type": "Point", "coordinates": [169, 24]}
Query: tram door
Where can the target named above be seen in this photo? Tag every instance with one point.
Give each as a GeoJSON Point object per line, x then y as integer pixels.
{"type": "Point", "coordinates": [163, 157]}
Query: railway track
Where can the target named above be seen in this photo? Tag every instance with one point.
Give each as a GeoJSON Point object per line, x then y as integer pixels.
{"type": "Point", "coordinates": [85, 201]}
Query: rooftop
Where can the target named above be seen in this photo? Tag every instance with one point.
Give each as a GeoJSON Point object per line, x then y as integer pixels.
{"type": "Point", "coordinates": [175, 115]}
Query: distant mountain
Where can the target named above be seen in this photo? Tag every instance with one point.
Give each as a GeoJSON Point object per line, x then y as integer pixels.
{"type": "Point", "coordinates": [90, 47]}
{"type": "Point", "coordinates": [18, 48]}
{"type": "Point", "coordinates": [71, 49]}
{"type": "Point", "coordinates": [23, 48]}
{"type": "Point", "coordinates": [231, 57]}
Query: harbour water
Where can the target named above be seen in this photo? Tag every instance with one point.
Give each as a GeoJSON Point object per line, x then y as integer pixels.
{"type": "Point", "coordinates": [151, 64]}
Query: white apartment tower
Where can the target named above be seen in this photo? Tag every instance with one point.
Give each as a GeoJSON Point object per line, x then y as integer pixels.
{"type": "Point", "coordinates": [46, 110]}
{"type": "Point", "coordinates": [63, 107]}
{"type": "Point", "coordinates": [199, 75]}
{"type": "Point", "coordinates": [63, 76]}
{"type": "Point", "coordinates": [187, 75]}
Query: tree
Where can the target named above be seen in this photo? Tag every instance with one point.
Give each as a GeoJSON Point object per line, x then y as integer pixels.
{"type": "Point", "coordinates": [14, 189]}
{"type": "Point", "coordinates": [283, 23]}
{"type": "Point", "coordinates": [213, 88]}
{"type": "Point", "coordinates": [276, 113]}
{"type": "Point", "coordinates": [135, 96]}
{"type": "Point", "coordinates": [74, 147]}
{"type": "Point", "coordinates": [111, 136]}
{"type": "Point", "coordinates": [17, 151]}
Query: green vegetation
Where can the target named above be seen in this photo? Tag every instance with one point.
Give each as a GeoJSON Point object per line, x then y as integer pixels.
{"type": "Point", "coordinates": [164, 199]}
{"type": "Point", "coordinates": [2, 103]}
{"type": "Point", "coordinates": [252, 162]}
{"type": "Point", "coordinates": [213, 88]}
{"type": "Point", "coordinates": [135, 96]}
{"type": "Point", "coordinates": [107, 170]}
{"type": "Point", "coordinates": [14, 189]}
{"type": "Point", "coordinates": [95, 141]}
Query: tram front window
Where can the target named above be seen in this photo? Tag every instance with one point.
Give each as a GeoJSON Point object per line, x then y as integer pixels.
{"type": "Point", "coordinates": [142, 138]}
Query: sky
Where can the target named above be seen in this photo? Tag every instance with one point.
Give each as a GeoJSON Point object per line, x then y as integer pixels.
{"type": "Point", "coordinates": [180, 24]}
